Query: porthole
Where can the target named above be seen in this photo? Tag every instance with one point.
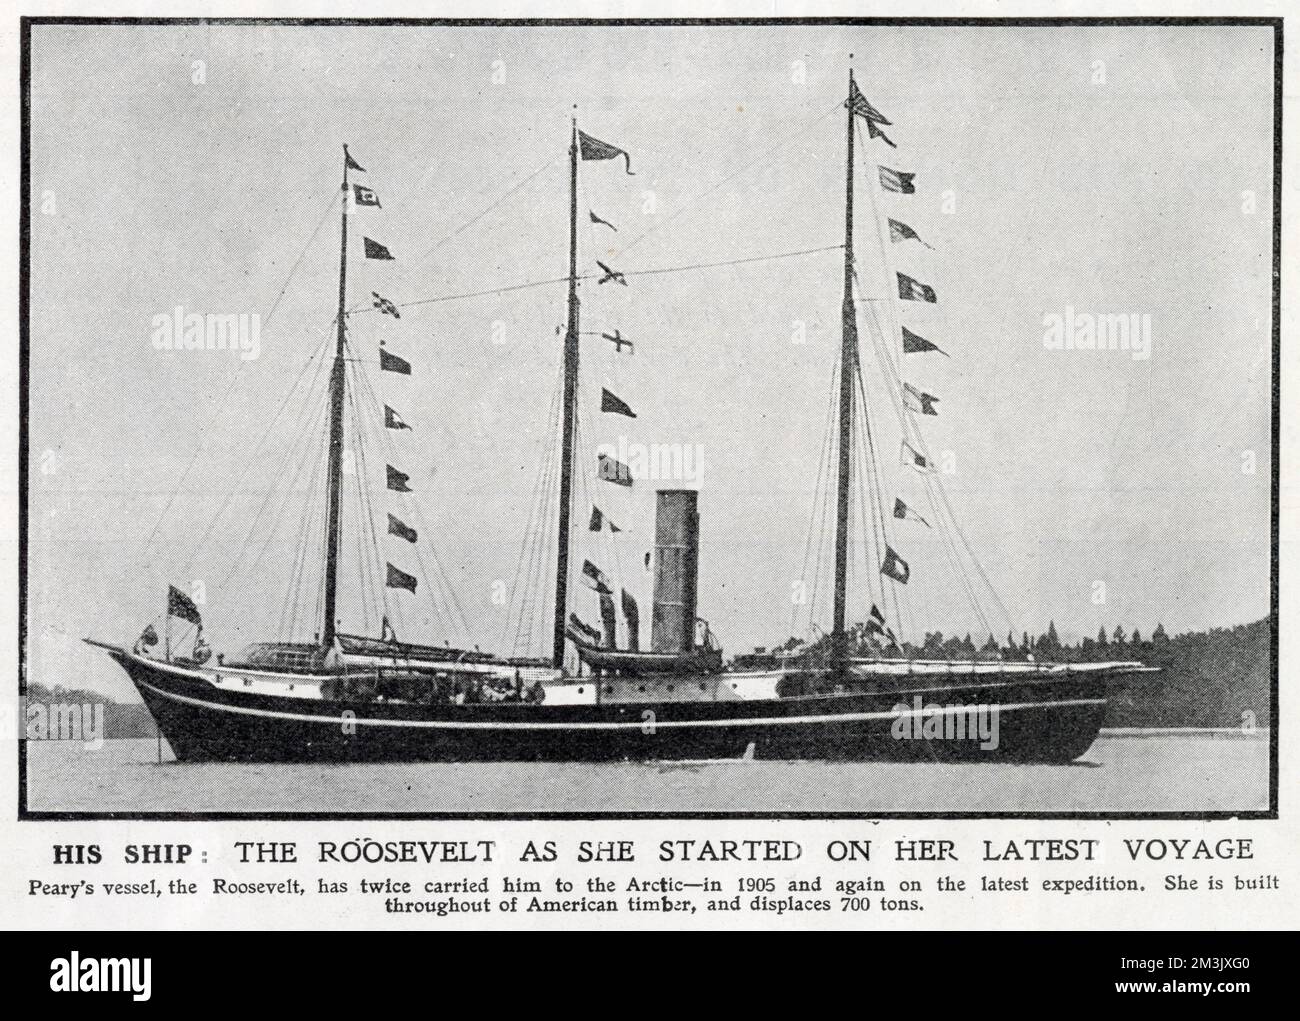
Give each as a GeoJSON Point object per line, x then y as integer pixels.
{"type": "Point", "coordinates": [642, 689]}
{"type": "Point", "coordinates": [581, 690]}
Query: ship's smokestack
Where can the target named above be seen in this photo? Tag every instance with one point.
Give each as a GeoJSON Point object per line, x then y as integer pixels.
{"type": "Point", "coordinates": [677, 546]}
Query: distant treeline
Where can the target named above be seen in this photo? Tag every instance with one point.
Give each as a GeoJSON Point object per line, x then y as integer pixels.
{"type": "Point", "coordinates": [121, 719]}
{"type": "Point", "coordinates": [1215, 678]}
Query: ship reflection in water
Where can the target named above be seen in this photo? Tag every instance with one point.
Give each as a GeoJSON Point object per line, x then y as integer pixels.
{"type": "Point", "coordinates": [1124, 771]}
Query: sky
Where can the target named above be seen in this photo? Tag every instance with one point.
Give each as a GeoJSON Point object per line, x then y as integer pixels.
{"type": "Point", "coordinates": [1099, 170]}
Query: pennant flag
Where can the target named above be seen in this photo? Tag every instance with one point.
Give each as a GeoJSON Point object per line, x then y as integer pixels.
{"type": "Point", "coordinates": [595, 578]}
{"type": "Point", "coordinates": [611, 470]}
{"type": "Point", "coordinates": [385, 306]}
{"type": "Point", "coordinates": [391, 363]}
{"type": "Point", "coordinates": [925, 403]}
{"type": "Point", "coordinates": [895, 567]}
{"type": "Point", "coordinates": [351, 163]}
{"type": "Point", "coordinates": [876, 615]}
{"type": "Point", "coordinates": [401, 529]}
{"type": "Point", "coordinates": [914, 290]}
{"type": "Point", "coordinates": [584, 629]}
{"type": "Point", "coordinates": [875, 132]}
{"type": "Point", "coordinates": [857, 102]}
{"type": "Point", "coordinates": [364, 196]}
{"type": "Point", "coordinates": [632, 615]}
{"type": "Point", "coordinates": [397, 481]}
{"type": "Point", "coordinates": [896, 180]}
{"type": "Point", "coordinates": [912, 459]}
{"type": "Point", "coordinates": [148, 636]}
{"type": "Point", "coordinates": [400, 579]}
{"type": "Point", "coordinates": [893, 642]}
{"type": "Point", "coordinates": [899, 231]}
{"type": "Point", "coordinates": [598, 521]}
{"type": "Point", "coordinates": [374, 250]}
{"type": "Point", "coordinates": [611, 275]}
{"type": "Point", "coordinates": [614, 405]}
{"type": "Point", "coordinates": [386, 632]}
{"type": "Point", "coordinates": [914, 344]}
{"type": "Point", "coordinates": [619, 341]}
{"type": "Point", "coordinates": [876, 622]}
{"type": "Point", "coordinates": [903, 511]}
{"type": "Point", "coordinates": [595, 149]}
{"type": "Point", "coordinates": [392, 420]}
{"type": "Point", "coordinates": [181, 605]}
{"type": "Point", "coordinates": [597, 219]}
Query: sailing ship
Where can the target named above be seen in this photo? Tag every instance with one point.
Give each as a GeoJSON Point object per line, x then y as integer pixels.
{"type": "Point", "coordinates": [858, 693]}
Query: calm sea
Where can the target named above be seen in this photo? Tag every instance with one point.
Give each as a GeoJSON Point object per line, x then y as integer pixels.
{"type": "Point", "coordinates": [1125, 771]}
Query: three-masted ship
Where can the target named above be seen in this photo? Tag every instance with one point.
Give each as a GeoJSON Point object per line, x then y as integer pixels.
{"type": "Point", "coordinates": [860, 693]}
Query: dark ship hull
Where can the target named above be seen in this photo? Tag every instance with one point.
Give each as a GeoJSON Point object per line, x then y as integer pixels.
{"type": "Point", "coordinates": [1047, 719]}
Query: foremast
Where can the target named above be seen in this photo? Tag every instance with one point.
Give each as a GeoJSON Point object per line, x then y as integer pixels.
{"type": "Point", "coordinates": [334, 476]}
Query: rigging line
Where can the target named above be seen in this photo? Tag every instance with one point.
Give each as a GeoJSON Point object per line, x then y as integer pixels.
{"type": "Point", "coordinates": [729, 262]}
{"type": "Point", "coordinates": [290, 602]}
{"type": "Point", "coordinates": [362, 309]}
{"type": "Point", "coordinates": [876, 485]}
{"type": "Point", "coordinates": [540, 541]}
{"type": "Point", "coordinates": [446, 599]}
{"type": "Point", "coordinates": [367, 568]}
{"type": "Point", "coordinates": [823, 458]}
{"type": "Point", "coordinates": [897, 371]}
{"type": "Point", "coordinates": [942, 522]}
{"type": "Point", "coordinates": [762, 157]}
{"type": "Point", "coordinates": [329, 208]}
{"type": "Point", "coordinates": [824, 536]}
{"type": "Point", "coordinates": [446, 602]}
{"type": "Point", "coordinates": [252, 460]}
{"type": "Point", "coordinates": [913, 434]}
{"type": "Point", "coordinates": [532, 596]}
{"type": "Point", "coordinates": [866, 457]}
{"type": "Point", "coordinates": [287, 491]}
{"type": "Point", "coordinates": [310, 425]}
{"type": "Point", "coordinates": [364, 389]}
{"type": "Point", "coordinates": [220, 406]}
{"type": "Point", "coordinates": [277, 516]}
{"type": "Point", "coordinates": [608, 548]}
{"type": "Point", "coordinates": [482, 213]}
{"type": "Point", "coordinates": [535, 512]}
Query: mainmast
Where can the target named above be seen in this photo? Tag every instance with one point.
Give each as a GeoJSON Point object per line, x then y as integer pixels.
{"type": "Point", "coordinates": [848, 369]}
{"type": "Point", "coordinates": [570, 413]}
{"type": "Point", "coordinates": [334, 478]}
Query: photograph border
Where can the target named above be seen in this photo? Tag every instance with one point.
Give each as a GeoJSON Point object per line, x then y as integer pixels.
{"type": "Point", "coordinates": [27, 22]}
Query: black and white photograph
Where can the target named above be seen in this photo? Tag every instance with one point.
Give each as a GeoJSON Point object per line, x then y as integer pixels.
{"type": "Point", "coordinates": [801, 419]}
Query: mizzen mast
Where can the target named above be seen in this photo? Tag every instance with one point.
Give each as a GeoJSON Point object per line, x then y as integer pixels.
{"type": "Point", "coordinates": [848, 370]}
